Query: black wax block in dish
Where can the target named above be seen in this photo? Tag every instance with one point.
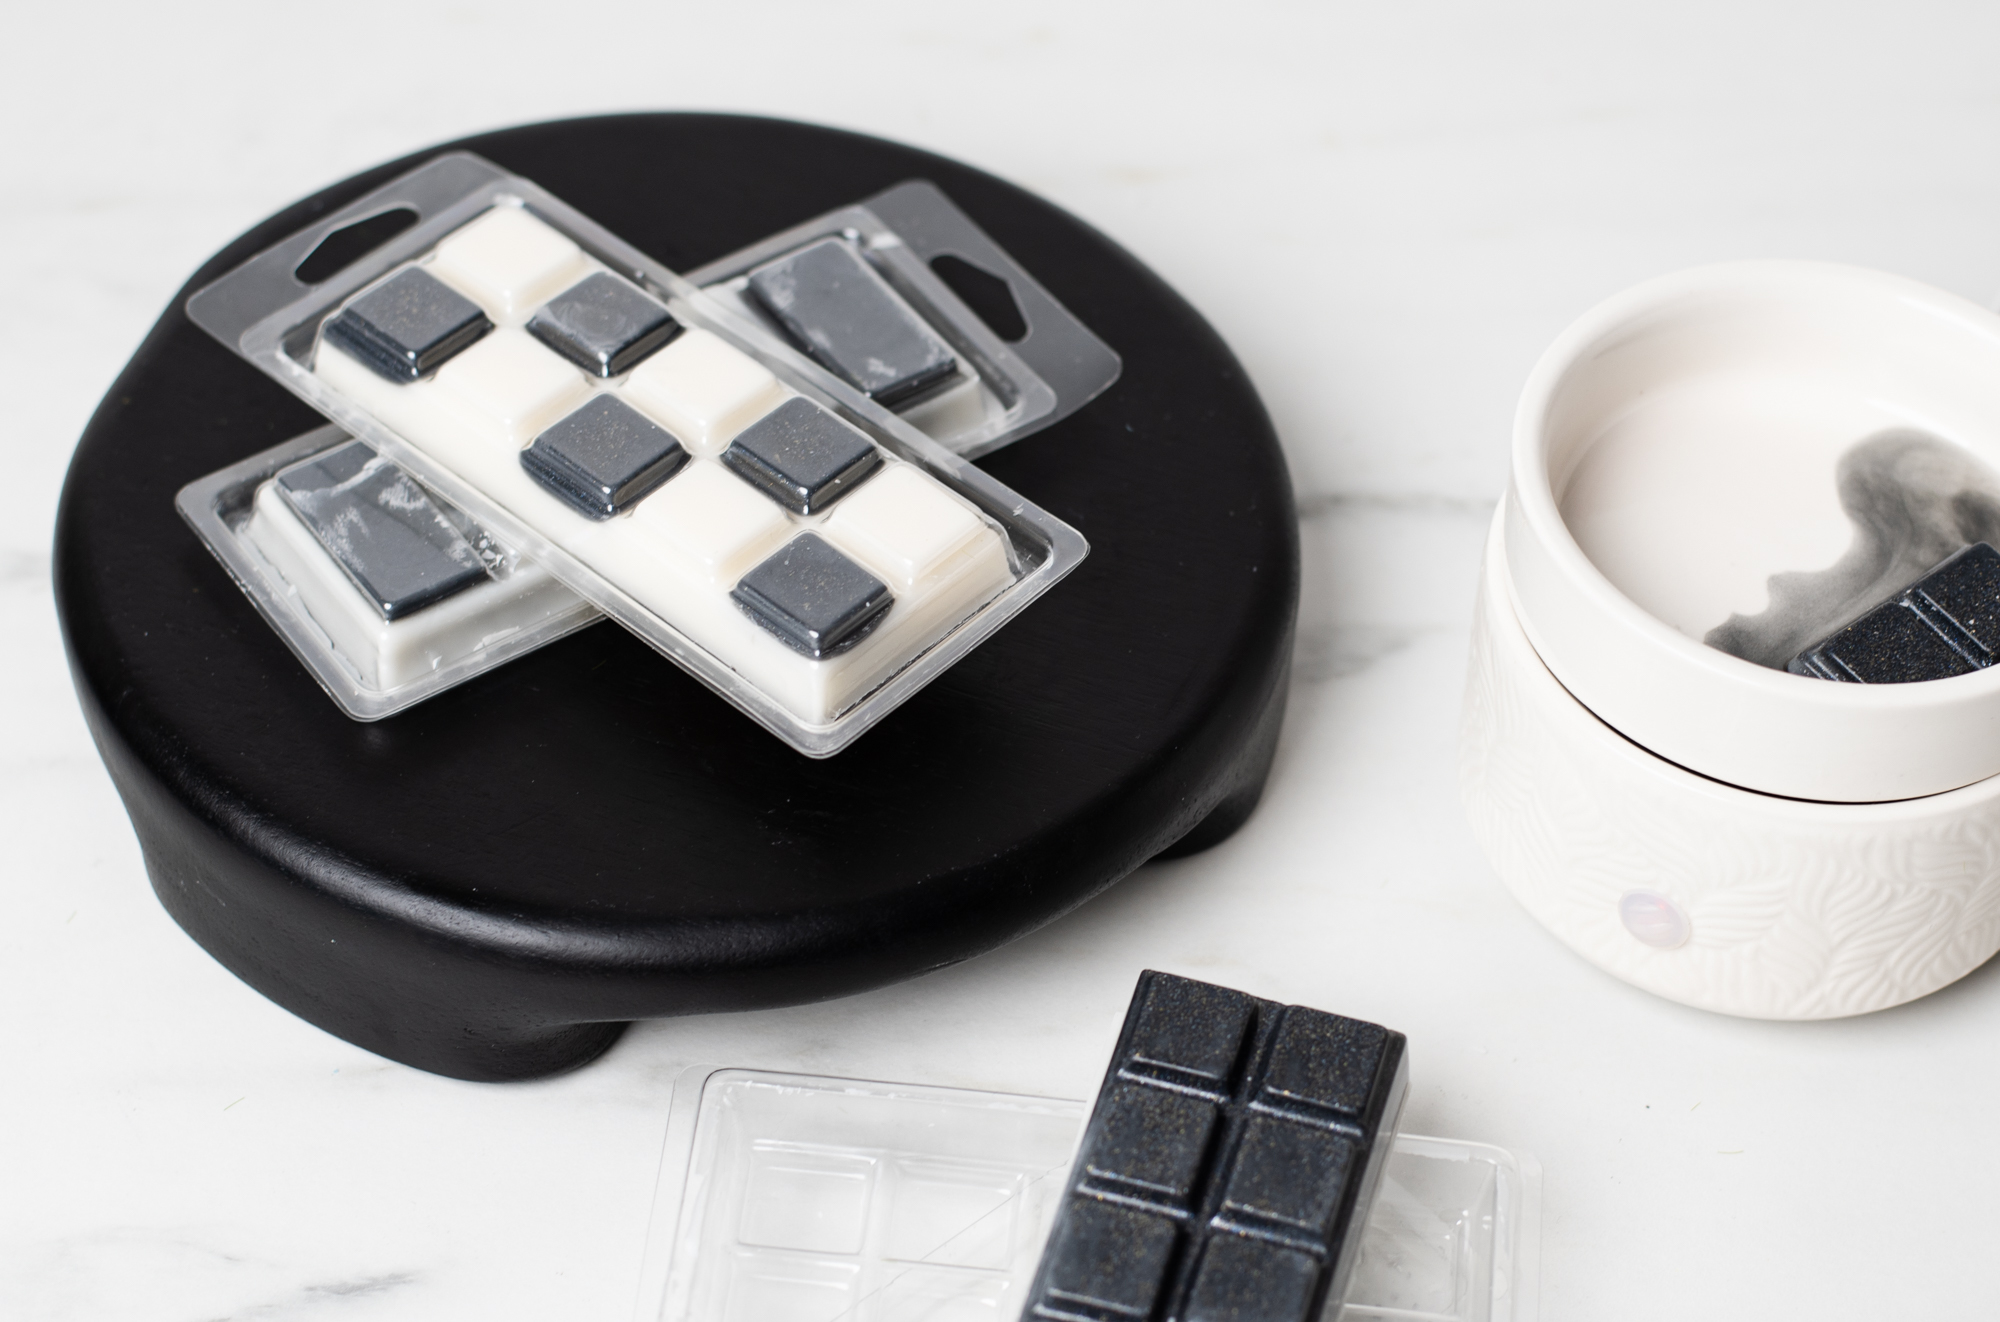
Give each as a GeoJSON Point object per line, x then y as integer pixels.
{"type": "Point", "coordinates": [842, 312]}
{"type": "Point", "coordinates": [604, 324]}
{"type": "Point", "coordinates": [816, 600]}
{"type": "Point", "coordinates": [408, 326]}
{"type": "Point", "coordinates": [384, 531]}
{"type": "Point", "coordinates": [1229, 1164]}
{"type": "Point", "coordinates": [416, 887]}
{"type": "Point", "coordinates": [801, 456]}
{"type": "Point", "coordinates": [603, 457]}
{"type": "Point", "coordinates": [1946, 623]}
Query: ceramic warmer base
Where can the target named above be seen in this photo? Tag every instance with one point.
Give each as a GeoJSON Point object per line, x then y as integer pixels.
{"type": "Point", "coordinates": [1798, 910]}
{"type": "Point", "coordinates": [492, 883]}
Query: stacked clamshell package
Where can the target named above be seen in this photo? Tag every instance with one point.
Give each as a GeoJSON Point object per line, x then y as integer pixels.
{"type": "Point", "coordinates": [749, 522]}
{"type": "Point", "coordinates": [733, 483]}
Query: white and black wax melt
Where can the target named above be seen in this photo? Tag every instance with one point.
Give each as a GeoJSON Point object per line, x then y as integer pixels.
{"type": "Point", "coordinates": [491, 883]}
{"type": "Point", "coordinates": [387, 593]}
{"type": "Point", "coordinates": [767, 522]}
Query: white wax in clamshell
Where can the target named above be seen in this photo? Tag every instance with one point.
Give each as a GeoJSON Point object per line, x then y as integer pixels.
{"type": "Point", "coordinates": [387, 654]}
{"type": "Point", "coordinates": [680, 550]}
{"type": "Point", "coordinates": [509, 263]}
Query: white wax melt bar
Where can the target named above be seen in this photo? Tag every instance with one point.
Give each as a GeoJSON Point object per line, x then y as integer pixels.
{"type": "Point", "coordinates": [715, 520]}
{"type": "Point", "coordinates": [683, 551]}
{"type": "Point", "coordinates": [704, 391]}
{"type": "Point", "coordinates": [511, 386]}
{"type": "Point", "coordinates": [388, 654]}
{"type": "Point", "coordinates": [509, 263]}
{"type": "Point", "coordinates": [911, 531]}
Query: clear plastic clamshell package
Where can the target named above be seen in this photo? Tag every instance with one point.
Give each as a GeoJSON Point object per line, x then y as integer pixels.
{"type": "Point", "coordinates": [385, 591]}
{"type": "Point", "coordinates": [805, 551]}
{"type": "Point", "coordinates": [904, 297]}
{"type": "Point", "coordinates": [798, 1198]}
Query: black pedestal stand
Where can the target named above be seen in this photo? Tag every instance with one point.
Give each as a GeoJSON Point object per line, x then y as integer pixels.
{"type": "Point", "coordinates": [491, 884]}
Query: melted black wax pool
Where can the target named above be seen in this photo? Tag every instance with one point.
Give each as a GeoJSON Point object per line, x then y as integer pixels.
{"type": "Point", "coordinates": [1914, 499]}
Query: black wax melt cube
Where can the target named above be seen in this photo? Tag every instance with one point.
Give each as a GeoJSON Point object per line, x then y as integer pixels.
{"type": "Point", "coordinates": [1254, 1131]}
{"type": "Point", "coordinates": [1245, 1280]}
{"type": "Point", "coordinates": [815, 599]}
{"type": "Point", "coordinates": [604, 324]}
{"type": "Point", "coordinates": [801, 456]}
{"type": "Point", "coordinates": [1191, 1032]}
{"type": "Point", "coordinates": [604, 457]}
{"type": "Point", "coordinates": [1946, 623]}
{"type": "Point", "coordinates": [1287, 1173]}
{"type": "Point", "coordinates": [842, 312]}
{"type": "Point", "coordinates": [1105, 1260]}
{"type": "Point", "coordinates": [1153, 1140]}
{"type": "Point", "coordinates": [1324, 1062]}
{"type": "Point", "coordinates": [407, 326]}
{"type": "Point", "coordinates": [1965, 590]}
{"type": "Point", "coordinates": [385, 532]}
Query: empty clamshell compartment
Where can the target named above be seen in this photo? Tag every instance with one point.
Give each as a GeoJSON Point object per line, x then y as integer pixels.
{"type": "Point", "coordinates": [801, 1198]}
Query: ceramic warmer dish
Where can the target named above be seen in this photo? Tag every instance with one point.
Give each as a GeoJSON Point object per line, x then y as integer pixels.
{"type": "Point", "coordinates": [1712, 473]}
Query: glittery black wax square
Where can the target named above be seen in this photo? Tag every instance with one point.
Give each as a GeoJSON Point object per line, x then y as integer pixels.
{"type": "Point", "coordinates": [604, 457]}
{"type": "Point", "coordinates": [1288, 1172]}
{"type": "Point", "coordinates": [408, 326]}
{"type": "Point", "coordinates": [1190, 1031]}
{"type": "Point", "coordinates": [816, 600]}
{"type": "Point", "coordinates": [1246, 1280]}
{"type": "Point", "coordinates": [801, 456]}
{"type": "Point", "coordinates": [1325, 1061]}
{"type": "Point", "coordinates": [1152, 1139]}
{"type": "Point", "coordinates": [1106, 1259]}
{"type": "Point", "coordinates": [1965, 590]}
{"type": "Point", "coordinates": [604, 324]}
{"type": "Point", "coordinates": [390, 537]}
{"type": "Point", "coordinates": [1892, 644]}
{"type": "Point", "coordinates": [1946, 623]}
{"type": "Point", "coordinates": [841, 311]}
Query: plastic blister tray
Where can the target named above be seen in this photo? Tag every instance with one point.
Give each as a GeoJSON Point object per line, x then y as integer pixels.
{"type": "Point", "coordinates": [816, 702]}
{"type": "Point", "coordinates": [1046, 366]}
{"type": "Point", "coordinates": [797, 1198]}
{"type": "Point", "coordinates": [370, 667]}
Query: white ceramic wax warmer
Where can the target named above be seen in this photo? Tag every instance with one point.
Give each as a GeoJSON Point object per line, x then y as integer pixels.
{"type": "Point", "coordinates": [1742, 459]}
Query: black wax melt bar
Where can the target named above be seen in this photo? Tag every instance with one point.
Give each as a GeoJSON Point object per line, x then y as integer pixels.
{"type": "Point", "coordinates": [801, 456]}
{"type": "Point", "coordinates": [604, 324]}
{"type": "Point", "coordinates": [812, 597]}
{"type": "Point", "coordinates": [604, 457]}
{"type": "Point", "coordinates": [382, 529]}
{"type": "Point", "coordinates": [407, 326]}
{"type": "Point", "coordinates": [1946, 623]}
{"type": "Point", "coordinates": [1229, 1164]}
{"type": "Point", "coordinates": [842, 312]}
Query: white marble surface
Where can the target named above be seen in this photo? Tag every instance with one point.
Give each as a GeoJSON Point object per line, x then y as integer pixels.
{"type": "Point", "coordinates": [1388, 210]}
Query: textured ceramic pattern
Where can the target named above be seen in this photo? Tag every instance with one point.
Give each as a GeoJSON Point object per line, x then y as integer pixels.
{"type": "Point", "coordinates": [1799, 910]}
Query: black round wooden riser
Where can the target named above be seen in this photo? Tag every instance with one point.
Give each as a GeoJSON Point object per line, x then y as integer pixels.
{"type": "Point", "coordinates": [493, 883]}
